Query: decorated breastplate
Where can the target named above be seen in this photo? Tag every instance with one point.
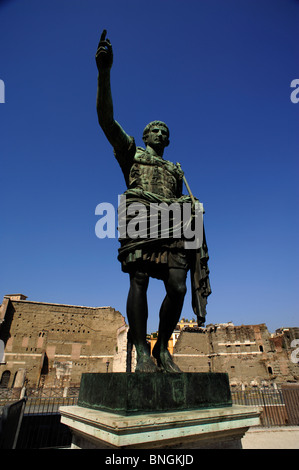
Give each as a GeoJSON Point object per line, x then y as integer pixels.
{"type": "Point", "coordinates": [155, 175]}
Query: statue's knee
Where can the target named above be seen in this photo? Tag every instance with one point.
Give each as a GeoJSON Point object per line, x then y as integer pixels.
{"type": "Point", "coordinates": [181, 289]}
{"type": "Point", "coordinates": [140, 279]}
{"type": "Point", "coordinates": [177, 288]}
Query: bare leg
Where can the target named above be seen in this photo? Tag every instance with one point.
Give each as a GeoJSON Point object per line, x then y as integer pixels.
{"type": "Point", "coordinates": [137, 313]}
{"type": "Point", "coordinates": [169, 316]}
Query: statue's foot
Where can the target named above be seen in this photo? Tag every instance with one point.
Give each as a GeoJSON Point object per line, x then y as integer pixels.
{"type": "Point", "coordinates": [145, 364]}
{"type": "Point", "coordinates": [164, 361]}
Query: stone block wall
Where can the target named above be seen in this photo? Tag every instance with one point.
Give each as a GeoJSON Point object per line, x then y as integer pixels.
{"type": "Point", "coordinates": [248, 353]}
{"type": "Point", "coordinates": [54, 343]}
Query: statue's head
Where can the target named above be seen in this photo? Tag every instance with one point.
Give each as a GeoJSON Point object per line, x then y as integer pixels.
{"type": "Point", "coordinates": [151, 127]}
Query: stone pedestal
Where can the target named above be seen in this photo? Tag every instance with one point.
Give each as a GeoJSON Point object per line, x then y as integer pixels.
{"type": "Point", "coordinates": [219, 428]}
{"type": "Point", "coordinates": [157, 411]}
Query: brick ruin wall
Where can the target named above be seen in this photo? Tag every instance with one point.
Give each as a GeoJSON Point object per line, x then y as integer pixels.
{"type": "Point", "coordinates": [52, 344]}
{"type": "Point", "coordinates": [247, 353]}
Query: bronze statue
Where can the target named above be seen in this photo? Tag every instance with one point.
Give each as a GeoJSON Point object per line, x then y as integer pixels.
{"type": "Point", "coordinates": [151, 179]}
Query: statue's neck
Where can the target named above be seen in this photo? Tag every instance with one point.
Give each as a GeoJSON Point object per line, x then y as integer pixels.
{"type": "Point", "coordinates": [155, 152]}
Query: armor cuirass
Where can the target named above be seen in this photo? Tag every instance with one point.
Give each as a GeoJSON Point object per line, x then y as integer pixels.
{"type": "Point", "coordinates": [155, 175]}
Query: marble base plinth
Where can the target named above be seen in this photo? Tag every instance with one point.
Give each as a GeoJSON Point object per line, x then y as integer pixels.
{"type": "Point", "coordinates": [214, 428]}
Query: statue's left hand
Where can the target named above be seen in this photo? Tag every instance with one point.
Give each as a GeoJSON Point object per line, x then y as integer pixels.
{"type": "Point", "coordinates": [104, 54]}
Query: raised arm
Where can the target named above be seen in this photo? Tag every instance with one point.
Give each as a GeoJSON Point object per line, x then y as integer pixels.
{"type": "Point", "coordinates": [113, 131]}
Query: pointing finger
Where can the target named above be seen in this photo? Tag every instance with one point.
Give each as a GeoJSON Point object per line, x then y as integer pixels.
{"type": "Point", "coordinates": [103, 35]}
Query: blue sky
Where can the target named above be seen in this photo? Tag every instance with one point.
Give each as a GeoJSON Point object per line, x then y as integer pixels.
{"type": "Point", "coordinates": [218, 73]}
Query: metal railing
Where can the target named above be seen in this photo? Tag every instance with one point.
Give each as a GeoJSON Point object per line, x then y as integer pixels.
{"type": "Point", "coordinates": [41, 427]}
{"type": "Point", "coordinates": [280, 406]}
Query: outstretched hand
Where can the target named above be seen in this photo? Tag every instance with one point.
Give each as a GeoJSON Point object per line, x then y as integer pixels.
{"type": "Point", "coordinates": [104, 54]}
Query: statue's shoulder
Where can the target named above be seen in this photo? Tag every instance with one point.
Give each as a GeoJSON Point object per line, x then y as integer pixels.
{"type": "Point", "coordinates": [142, 156]}
{"type": "Point", "coordinates": [139, 151]}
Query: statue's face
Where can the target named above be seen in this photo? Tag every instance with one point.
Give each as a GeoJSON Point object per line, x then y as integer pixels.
{"type": "Point", "coordinates": [157, 137]}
